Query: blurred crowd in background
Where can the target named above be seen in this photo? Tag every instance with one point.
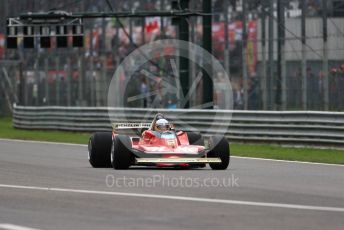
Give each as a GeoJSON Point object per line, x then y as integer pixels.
{"type": "Point", "coordinates": [80, 76]}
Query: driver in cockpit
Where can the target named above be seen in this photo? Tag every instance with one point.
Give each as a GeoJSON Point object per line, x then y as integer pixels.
{"type": "Point", "coordinates": [159, 125]}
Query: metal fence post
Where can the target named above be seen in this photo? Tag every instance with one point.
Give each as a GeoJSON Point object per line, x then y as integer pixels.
{"type": "Point", "coordinates": [46, 82]}
{"type": "Point", "coordinates": [244, 43]}
{"type": "Point", "coordinates": [226, 58]}
{"type": "Point", "coordinates": [68, 81]}
{"type": "Point", "coordinates": [325, 57]}
{"type": "Point", "coordinates": [57, 80]}
{"type": "Point", "coordinates": [271, 52]}
{"type": "Point", "coordinates": [304, 61]}
{"type": "Point", "coordinates": [263, 83]}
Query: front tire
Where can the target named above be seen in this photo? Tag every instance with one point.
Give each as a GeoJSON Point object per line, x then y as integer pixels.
{"type": "Point", "coordinates": [121, 156]}
{"type": "Point", "coordinates": [219, 148]}
{"type": "Point", "coordinates": [99, 149]}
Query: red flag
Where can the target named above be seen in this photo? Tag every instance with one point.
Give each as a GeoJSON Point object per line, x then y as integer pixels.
{"type": "Point", "coordinates": [152, 24]}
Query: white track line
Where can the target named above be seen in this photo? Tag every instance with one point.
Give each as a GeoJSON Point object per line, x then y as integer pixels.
{"type": "Point", "coordinates": [183, 198]}
{"type": "Point", "coordinates": [287, 161]}
{"type": "Point", "coordinates": [250, 158]}
{"type": "Point", "coordinates": [14, 227]}
{"type": "Point", "coordinates": [42, 142]}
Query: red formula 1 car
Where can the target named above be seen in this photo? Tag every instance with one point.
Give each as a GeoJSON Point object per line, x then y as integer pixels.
{"type": "Point", "coordinates": [158, 145]}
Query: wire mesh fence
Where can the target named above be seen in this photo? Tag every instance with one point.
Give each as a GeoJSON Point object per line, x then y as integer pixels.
{"type": "Point", "coordinates": [81, 76]}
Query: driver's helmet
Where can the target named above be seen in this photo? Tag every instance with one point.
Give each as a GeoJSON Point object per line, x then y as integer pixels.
{"type": "Point", "coordinates": [162, 125]}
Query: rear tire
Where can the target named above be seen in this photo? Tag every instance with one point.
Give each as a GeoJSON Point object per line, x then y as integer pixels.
{"type": "Point", "coordinates": [219, 148]}
{"type": "Point", "coordinates": [195, 138]}
{"type": "Point", "coordinates": [99, 149]}
{"type": "Point", "coordinates": [121, 156]}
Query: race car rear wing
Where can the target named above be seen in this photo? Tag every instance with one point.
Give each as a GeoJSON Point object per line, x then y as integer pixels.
{"type": "Point", "coordinates": [125, 126]}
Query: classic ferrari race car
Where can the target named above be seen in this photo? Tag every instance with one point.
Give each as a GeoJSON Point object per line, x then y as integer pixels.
{"type": "Point", "coordinates": [158, 145]}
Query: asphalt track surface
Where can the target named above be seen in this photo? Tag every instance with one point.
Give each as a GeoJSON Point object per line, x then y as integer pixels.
{"type": "Point", "coordinates": [52, 186]}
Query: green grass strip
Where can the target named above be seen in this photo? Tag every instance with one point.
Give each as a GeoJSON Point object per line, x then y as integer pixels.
{"type": "Point", "coordinates": [289, 153]}
{"type": "Point", "coordinates": [7, 131]}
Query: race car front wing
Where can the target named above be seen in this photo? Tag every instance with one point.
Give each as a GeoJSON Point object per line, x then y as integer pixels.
{"type": "Point", "coordinates": [177, 160]}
